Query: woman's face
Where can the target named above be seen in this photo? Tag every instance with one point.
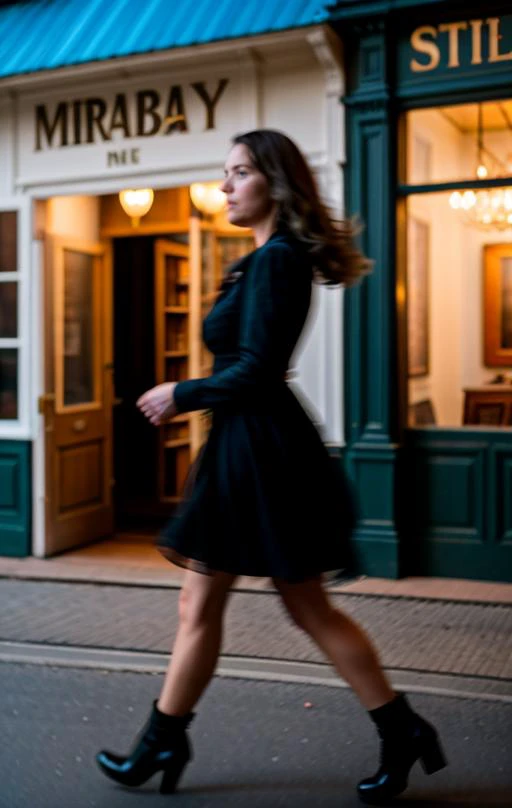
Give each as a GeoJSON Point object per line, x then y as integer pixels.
{"type": "Point", "coordinates": [247, 189]}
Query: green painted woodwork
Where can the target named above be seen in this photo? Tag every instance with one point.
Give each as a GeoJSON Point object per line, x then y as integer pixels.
{"type": "Point", "coordinates": [370, 333]}
{"type": "Point", "coordinates": [458, 503]}
{"type": "Point", "coordinates": [15, 487]}
{"type": "Point", "coordinates": [432, 502]}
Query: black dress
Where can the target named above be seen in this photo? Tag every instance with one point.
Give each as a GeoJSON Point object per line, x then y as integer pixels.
{"type": "Point", "coordinates": [263, 497]}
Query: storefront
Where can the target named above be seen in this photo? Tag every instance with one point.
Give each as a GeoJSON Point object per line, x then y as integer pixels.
{"type": "Point", "coordinates": [409, 375]}
{"type": "Point", "coordinates": [97, 304]}
{"type": "Point", "coordinates": [429, 337]}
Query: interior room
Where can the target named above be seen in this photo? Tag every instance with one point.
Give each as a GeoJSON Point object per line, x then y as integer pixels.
{"type": "Point", "coordinates": [459, 265]}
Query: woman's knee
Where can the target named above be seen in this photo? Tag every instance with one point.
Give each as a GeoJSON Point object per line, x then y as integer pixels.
{"type": "Point", "coordinates": [203, 598]}
{"type": "Point", "coordinates": [306, 604]}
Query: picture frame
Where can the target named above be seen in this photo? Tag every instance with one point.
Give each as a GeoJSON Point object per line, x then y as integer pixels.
{"type": "Point", "coordinates": [497, 305]}
{"type": "Point", "coordinates": [418, 290]}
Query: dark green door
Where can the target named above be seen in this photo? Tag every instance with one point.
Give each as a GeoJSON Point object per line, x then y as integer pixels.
{"type": "Point", "coordinates": [459, 503]}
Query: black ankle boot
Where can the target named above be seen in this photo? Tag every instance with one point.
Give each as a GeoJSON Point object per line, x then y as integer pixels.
{"type": "Point", "coordinates": [405, 738]}
{"type": "Point", "coordinates": [162, 746]}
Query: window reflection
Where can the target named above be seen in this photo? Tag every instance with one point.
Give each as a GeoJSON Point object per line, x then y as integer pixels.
{"type": "Point", "coordinates": [8, 310]}
{"type": "Point", "coordinates": [8, 383]}
{"type": "Point", "coordinates": [78, 347]}
{"type": "Point", "coordinates": [8, 241]}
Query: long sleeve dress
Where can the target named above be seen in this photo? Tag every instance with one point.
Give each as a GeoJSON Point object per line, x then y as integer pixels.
{"type": "Point", "coordinates": [264, 498]}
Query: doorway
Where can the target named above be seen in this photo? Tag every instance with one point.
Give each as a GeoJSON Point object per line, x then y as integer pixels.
{"type": "Point", "coordinates": [141, 320]}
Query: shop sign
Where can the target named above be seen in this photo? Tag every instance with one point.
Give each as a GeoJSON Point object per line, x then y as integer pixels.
{"type": "Point", "coordinates": [477, 47]}
{"type": "Point", "coordinates": [100, 131]}
{"type": "Point", "coordinates": [484, 37]}
{"type": "Point", "coordinates": [143, 114]}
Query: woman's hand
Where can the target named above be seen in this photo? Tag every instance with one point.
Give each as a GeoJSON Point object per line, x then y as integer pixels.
{"type": "Point", "coordinates": [158, 404]}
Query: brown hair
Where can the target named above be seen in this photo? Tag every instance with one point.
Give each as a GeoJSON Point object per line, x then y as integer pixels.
{"type": "Point", "coordinates": [329, 242]}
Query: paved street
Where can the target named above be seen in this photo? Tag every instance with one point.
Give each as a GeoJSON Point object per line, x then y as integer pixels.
{"type": "Point", "coordinates": [97, 654]}
{"type": "Point", "coordinates": [255, 744]}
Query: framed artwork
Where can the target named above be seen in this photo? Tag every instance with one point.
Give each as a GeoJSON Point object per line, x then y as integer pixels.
{"type": "Point", "coordinates": [422, 413]}
{"type": "Point", "coordinates": [498, 305]}
{"type": "Point", "coordinates": [418, 261]}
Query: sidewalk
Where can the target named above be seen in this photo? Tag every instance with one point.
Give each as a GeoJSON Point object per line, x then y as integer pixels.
{"type": "Point", "coordinates": [134, 561]}
{"type": "Point", "coordinates": [422, 635]}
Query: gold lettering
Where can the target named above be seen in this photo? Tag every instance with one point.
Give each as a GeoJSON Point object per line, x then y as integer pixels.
{"type": "Point", "coordinates": [494, 42]}
{"type": "Point", "coordinates": [418, 43]}
{"type": "Point", "coordinates": [476, 41]}
{"type": "Point", "coordinates": [49, 128]}
{"type": "Point", "coordinates": [453, 29]}
{"type": "Point", "coordinates": [210, 103]}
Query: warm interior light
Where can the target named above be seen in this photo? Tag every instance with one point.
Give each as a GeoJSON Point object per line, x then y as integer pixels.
{"type": "Point", "coordinates": [455, 200]}
{"type": "Point", "coordinates": [481, 172]}
{"type": "Point", "coordinates": [136, 203]}
{"type": "Point", "coordinates": [207, 197]}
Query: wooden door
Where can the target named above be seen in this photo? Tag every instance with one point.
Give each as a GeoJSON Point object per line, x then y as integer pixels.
{"type": "Point", "coordinates": [77, 406]}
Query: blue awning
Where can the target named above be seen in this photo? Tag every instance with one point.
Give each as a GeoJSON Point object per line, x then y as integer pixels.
{"type": "Point", "coordinates": [48, 34]}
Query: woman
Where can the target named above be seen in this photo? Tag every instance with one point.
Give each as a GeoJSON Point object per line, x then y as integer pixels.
{"type": "Point", "coordinates": [264, 498]}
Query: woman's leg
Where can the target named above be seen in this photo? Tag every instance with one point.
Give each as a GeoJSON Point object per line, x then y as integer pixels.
{"type": "Point", "coordinates": [198, 640]}
{"type": "Point", "coordinates": [405, 736]}
{"type": "Point", "coordinates": [343, 642]}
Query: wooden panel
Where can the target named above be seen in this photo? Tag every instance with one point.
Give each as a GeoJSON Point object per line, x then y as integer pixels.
{"type": "Point", "coordinates": [80, 476]}
{"type": "Point", "coordinates": [500, 491]}
{"type": "Point", "coordinates": [447, 491]}
{"type": "Point", "coordinates": [15, 503]}
{"type": "Point", "coordinates": [9, 473]}
{"type": "Point", "coordinates": [458, 504]}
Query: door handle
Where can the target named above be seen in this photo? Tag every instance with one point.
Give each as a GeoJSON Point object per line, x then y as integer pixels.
{"type": "Point", "coordinates": [42, 401]}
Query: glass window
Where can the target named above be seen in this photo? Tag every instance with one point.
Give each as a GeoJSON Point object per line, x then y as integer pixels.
{"type": "Point", "coordinates": [79, 334]}
{"type": "Point", "coordinates": [8, 309]}
{"type": "Point", "coordinates": [459, 307]}
{"type": "Point", "coordinates": [8, 383]}
{"type": "Point", "coordinates": [458, 243]}
{"type": "Point", "coordinates": [8, 242]}
{"type": "Point", "coordinates": [462, 142]}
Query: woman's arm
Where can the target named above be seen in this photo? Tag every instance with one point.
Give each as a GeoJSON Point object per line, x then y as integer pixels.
{"type": "Point", "coordinates": [266, 301]}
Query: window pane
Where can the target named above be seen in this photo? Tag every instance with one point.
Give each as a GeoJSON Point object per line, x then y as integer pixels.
{"type": "Point", "coordinates": [459, 303]}
{"type": "Point", "coordinates": [8, 383]}
{"type": "Point", "coordinates": [8, 242]}
{"type": "Point", "coordinates": [78, 349]}
{"type": "Point", "coordinates": [8, 309]}
{"type": "Point", "coordinates": [461, 142]}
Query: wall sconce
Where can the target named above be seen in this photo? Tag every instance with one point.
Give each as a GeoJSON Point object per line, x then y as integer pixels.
{"type": "Point", "coordinates": [207, 197]}
{"type": "Point", "coordinates": [136, 203]}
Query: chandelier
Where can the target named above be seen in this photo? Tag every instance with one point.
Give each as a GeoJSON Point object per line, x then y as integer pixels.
{"type": "Point", "coordinates": [489, 209]}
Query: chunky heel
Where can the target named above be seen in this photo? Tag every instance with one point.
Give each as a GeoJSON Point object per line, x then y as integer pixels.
{"type": "Point", "coordinates": [405, 738]}
{"type": "Point", "coordinates": [433, 759]}
{"type": "Point", "coordinates": [172, 776]}
{"type": "Point", "coordinates": [163, 746]}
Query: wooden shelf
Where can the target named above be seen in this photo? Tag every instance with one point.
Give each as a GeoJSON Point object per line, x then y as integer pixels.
{"type": "Point", "coordinates": [176, 354]}
{"type": "Point", "coordinates": [176, 309]}
{"type": "Point", "coordinates": [176, 443]}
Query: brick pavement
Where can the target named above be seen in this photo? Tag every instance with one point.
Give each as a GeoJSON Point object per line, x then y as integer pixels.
{"type": "Point", "coordinates": [414, 634]}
